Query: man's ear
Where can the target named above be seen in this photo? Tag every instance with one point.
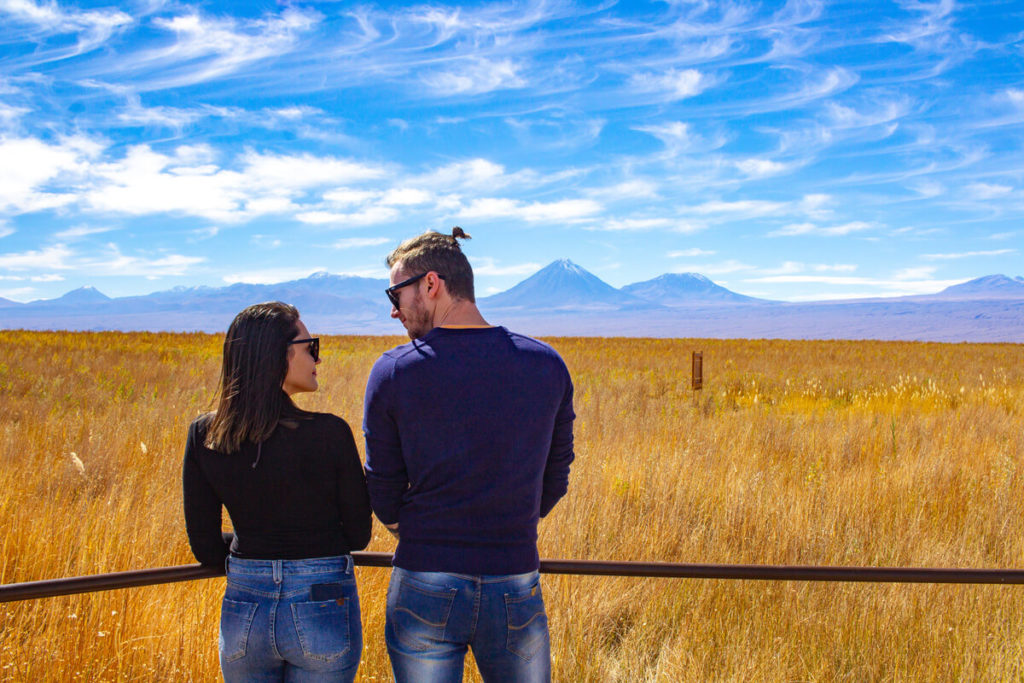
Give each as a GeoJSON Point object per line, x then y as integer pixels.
{"type": "Point", "coordinates": [433, 285]}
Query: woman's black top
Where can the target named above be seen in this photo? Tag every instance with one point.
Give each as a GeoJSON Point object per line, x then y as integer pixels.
{"type": "Point", "coordinates": [301, 494]}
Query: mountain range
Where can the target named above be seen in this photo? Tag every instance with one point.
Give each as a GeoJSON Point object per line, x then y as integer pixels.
{"type": "Point", "coordinates": [561, 299]}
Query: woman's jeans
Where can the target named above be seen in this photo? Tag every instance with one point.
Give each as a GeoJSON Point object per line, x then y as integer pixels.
{"type": "Point", "coordinates": [290, 620]}
{"type": "Point", "coordinates": [433, 617]}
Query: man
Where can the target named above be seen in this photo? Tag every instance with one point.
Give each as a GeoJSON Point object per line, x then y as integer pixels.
{"type": "Point", "coordinates": [468, 444]}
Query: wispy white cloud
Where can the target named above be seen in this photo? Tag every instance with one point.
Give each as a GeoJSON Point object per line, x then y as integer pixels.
{"type": "Point", "coordinates": [109, 260]}
{"type": "Point", "coordinates": [743, 207]}
{"type": "Point", "coordinates": [679, 137]}
{"type": "Point", "coordinates": [28, 167]}
{"type": "Point", "coordinates": [294, 113]}
{"type": "Point", "coordinates": [147, 182]}
{"type": "Point", "coordinates": [347, 196]}
{"type": "Point", "coordinates": [21, 294]}
{"type": "Point", "coordinates": [985, 191]}
{"type": "Point", "coordinates": [914, 273]}
{"type": "Point", "coordinates": [206, 48]}
{"type": "Point", "coordinates": [674, 84]}
{"type": "Point", "coordinates": [636, 188]}
{"type": "Point", "coordinates": [92, 27]}
{"type": "Point", "coordinates": [556, 132]}
{"type": "Point", "coordinates": [877, 113]}
{"type": "Point", "coordinates": [10, 113]}
{"type": "Point", "coordinates": [840, 230]}
{"type": "Point", "coordinates": [373, 215]}
{"type": "Point", "coordinates": [566, 210]}
{"type": "Point", "coordinates": [405, 196]}
{"type": "Point", "coordinates": [688, 253]}
{"type": "Point", "coordinates": [52, 257]}
{"type": "Point", "coordinates": [794, 267]}
{"type": "Point", "coordinates": [968, 254]}
{"type": "Point", "coordinates": [486, 265]}
{"type": "Point", "coordinates": [473, 173]}
{"type": "Point", "coordinates": [901, 284]}
{"type": "Point", "coordinates": [476, 76]}
{"type": "Point", "coordinates": [718, 268]}
{"type": "Point", "coordinates": [931, 30]}
{"type": "Point", "coordinates": [761, 168]}
{"type": "Point", "coordinates": [671, 224]}
{"type": "Point", "coordinates": [45, 277]}
{"type": "Point", "coordinates": [80, 231]}
{"type": "Point", "coordinates": [113, 260]}
{"type": "Point", "coordinates": [268, 276]}
{"type": "Point", "coordinates": [360, 242]}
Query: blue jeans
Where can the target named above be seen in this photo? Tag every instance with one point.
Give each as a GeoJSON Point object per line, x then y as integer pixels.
{"type": "Point", "coordinates": [433, 617]}
{"type": "Point", "coordinates": [290, 620]}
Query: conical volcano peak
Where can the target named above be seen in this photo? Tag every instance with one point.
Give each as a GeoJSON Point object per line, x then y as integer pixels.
{"type": "Point", "coordinates": [562, 284]}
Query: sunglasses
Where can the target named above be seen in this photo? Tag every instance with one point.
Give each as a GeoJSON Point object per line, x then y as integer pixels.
{"type": "Point", "coordinates": [314, 346]}
{"type": "Point", "coordinates": [392, 291]}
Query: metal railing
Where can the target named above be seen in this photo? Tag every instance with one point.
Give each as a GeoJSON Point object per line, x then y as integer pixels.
{"type": "Point", "coordinates": [147, 577]}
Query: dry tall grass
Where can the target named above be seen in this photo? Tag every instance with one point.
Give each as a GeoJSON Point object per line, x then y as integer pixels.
{"type": "Point", "coordinates": [840, 453]}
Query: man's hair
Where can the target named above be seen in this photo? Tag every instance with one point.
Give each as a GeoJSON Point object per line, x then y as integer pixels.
{"type": "Point", "coordinates": [251, 401]}
{"type": "Point", "coordinates": [442, 254]}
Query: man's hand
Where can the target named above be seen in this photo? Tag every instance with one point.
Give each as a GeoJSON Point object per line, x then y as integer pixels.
{"type": "Point", "coordinates": [393, 528]}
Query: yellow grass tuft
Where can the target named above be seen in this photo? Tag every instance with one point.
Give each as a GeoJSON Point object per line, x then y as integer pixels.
{"type": "Point", "coordinates": [838, 453]}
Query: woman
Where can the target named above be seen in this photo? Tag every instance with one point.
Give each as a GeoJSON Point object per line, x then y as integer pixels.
{"type": "Point", "coordinates": [294, 487]}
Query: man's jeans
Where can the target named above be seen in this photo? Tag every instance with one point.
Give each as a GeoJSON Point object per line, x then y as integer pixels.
{"type": "Point", "coordinates": [432, 618]}
{"type": "Point", "coordinates": [290, 620]}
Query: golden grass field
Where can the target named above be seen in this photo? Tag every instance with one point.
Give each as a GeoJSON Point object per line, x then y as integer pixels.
{"type": "Point", "coordinates": [831, 453]}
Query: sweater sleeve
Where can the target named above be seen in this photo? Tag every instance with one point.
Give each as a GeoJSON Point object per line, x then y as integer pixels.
{"type": "Point", "coordinates": [386, 476]}
{"type": "Point", "coordinates": [356, 519]}
{"type": "Point", "coordinates": [202, 507]}
{"type": "Point", "coordinates": [556, 472]}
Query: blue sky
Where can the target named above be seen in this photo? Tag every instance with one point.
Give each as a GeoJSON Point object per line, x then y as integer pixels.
{"type": "Point", "coordinates": [790, 150]}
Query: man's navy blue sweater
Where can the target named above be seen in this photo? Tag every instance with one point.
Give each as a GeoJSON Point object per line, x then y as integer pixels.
{"type": "Point", "coordinates": [468, 445]}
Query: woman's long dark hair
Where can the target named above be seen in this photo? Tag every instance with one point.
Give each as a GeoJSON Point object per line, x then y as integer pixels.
{"type": "Point", "coordinates": [252, 402]}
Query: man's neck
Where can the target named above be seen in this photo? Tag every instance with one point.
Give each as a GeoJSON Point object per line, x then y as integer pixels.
{"type": "Point", "coordinates": [460, 313]}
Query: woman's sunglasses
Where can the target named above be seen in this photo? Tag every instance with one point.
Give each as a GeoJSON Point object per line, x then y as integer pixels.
{"type": "Point", "coordinates": [314, 346]}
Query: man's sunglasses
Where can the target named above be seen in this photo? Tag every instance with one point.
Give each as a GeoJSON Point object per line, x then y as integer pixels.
{"type": "Point", "coordinates": [314, 346]}
{"type": "Point", "coordinates": [392, 291]}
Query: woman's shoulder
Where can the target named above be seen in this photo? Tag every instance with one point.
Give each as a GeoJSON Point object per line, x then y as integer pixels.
{"type": "Point", "coordinates": [201, 423]}
{"type": "Point", "coordinates": [325, 421]}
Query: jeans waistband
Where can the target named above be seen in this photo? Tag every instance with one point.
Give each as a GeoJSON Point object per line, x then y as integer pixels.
{"type": "Point", "coordinates": [280, 568]}
{"type": "Point", "coordinates": [524, 579]}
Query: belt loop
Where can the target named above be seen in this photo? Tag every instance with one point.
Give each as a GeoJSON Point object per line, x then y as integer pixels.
{"type": "Point", "coordinates": [350, 564]}
{"type": "Point", "coordinates": [278, 570]}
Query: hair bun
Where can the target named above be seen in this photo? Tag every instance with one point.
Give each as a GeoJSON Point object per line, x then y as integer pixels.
{"type": "Point", "coordinates": [459, 233]}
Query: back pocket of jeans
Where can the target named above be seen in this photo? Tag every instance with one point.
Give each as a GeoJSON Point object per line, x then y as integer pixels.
{"type": "Point", "coordinates": [421, 614]}
{"type": "Point", "coordinates": [235, 622]}
{"type": "Point", "coordinates": [323, 628]}
{"type": "Point", "coordinates": [527, 622]}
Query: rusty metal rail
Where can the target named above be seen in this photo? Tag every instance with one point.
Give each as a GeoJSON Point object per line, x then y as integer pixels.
{"type": "Point", "coordinates": [146, 577]}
